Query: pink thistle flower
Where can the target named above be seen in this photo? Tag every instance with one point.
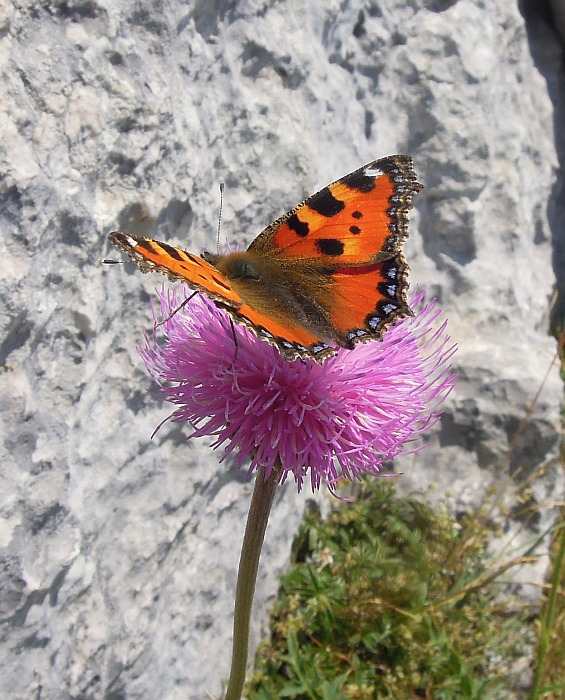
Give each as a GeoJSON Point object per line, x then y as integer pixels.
{"type": "Point", "coordinates": [343, 418]}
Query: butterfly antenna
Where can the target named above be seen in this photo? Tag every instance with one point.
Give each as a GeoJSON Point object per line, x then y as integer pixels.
{"type": "Point", "coordinates": [220, 215]}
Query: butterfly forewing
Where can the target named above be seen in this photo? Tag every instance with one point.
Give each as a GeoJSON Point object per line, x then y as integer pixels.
{"type": "Point", "coordinates": [178, 264]}
{"type": "Point", "coordinates": [359, 219]}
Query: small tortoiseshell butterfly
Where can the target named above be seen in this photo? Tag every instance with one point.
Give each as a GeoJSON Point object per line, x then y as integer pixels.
{"type": "Point", "coordinates": [328, 273]}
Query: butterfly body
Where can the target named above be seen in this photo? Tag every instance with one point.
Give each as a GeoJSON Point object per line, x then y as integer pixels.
{"type": "Point", "coordinates": [328, 273]}
{"type": "Point", "coordinates": [289, 293]}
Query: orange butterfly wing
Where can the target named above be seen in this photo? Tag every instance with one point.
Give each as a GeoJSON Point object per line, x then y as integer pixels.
{"type": "Point", "coordinates": [369, 298]}
{"type": "Point", "coordinates": [155, 256]}
{"type": "Point", "coordinates": [292, 339]}
{"type": "Point", "coordinates": [361, 218]}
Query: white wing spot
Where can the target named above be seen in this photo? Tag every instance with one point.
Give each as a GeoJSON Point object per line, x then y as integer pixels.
{"type": "Point", "coordinates": [373, 172]}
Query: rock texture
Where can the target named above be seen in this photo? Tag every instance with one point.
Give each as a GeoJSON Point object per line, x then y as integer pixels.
{"type": "Point", "coordinates": [120, 552]}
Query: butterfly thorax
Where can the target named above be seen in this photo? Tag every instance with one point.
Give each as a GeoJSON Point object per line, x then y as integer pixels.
{"type": "Point", "coordinates": [298, 295]}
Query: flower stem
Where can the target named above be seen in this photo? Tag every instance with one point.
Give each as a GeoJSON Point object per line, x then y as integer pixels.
{"type": "Point", "coordinates": [257, 519]}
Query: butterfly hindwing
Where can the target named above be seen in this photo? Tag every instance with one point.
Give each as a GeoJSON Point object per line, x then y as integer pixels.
{"type": "Point", "coordinates": [367, 299]}
{"type": "Point", "coordinates": [363, 301]}
{"type": "Point", "coordinates": [292, 339]}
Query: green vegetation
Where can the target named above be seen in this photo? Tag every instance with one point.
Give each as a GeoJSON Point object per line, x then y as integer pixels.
{"type": "Point", "coordinates": [388, 599]}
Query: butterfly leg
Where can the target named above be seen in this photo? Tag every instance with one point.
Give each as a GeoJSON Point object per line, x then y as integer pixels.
{"type": "Point", "coordinates": [235, 344]}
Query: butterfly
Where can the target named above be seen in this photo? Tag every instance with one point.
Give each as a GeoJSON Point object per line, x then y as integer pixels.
{"type": "Point", "coordinates": [329, 273]}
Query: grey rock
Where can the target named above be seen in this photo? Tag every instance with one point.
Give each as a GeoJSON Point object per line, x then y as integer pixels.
{"type": "Point", "coordinates": [120, 552]}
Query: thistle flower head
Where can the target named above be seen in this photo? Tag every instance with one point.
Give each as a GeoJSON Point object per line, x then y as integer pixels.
{"type": "Point", "coordinates": [318, 422]}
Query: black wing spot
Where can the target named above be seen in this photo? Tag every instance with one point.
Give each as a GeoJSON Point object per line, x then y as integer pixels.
{"type": "Point", "coordinates": [173, 252]}
{"type": "Point", "coordinates": [359, 181]}
{"type": "Point", "coordinates": [355, 230]}
{"type": "Point", "coordinates": [357, 214]}
{"type": "Point", "coordinates": [219, 281]}
{"type": "Point", "coordinates": [383, 311]}
{"type": "Point", "coordinates": [299, 227]}
{"type": "Point", "coordinates": [391, 269]}
{"type": "Point", "coordinates": [330, 246]}
{"type": "Point", "coordinates": [326, 204]}
{"type": "Point", "coordinates": [388, 289]}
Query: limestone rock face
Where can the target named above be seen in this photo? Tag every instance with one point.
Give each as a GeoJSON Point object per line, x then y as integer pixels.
{"type": "Point", "coordinates": [120, 551]}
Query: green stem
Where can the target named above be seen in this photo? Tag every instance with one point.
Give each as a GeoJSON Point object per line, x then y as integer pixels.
{"type": "Point", "coordinates": [257, 519]}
